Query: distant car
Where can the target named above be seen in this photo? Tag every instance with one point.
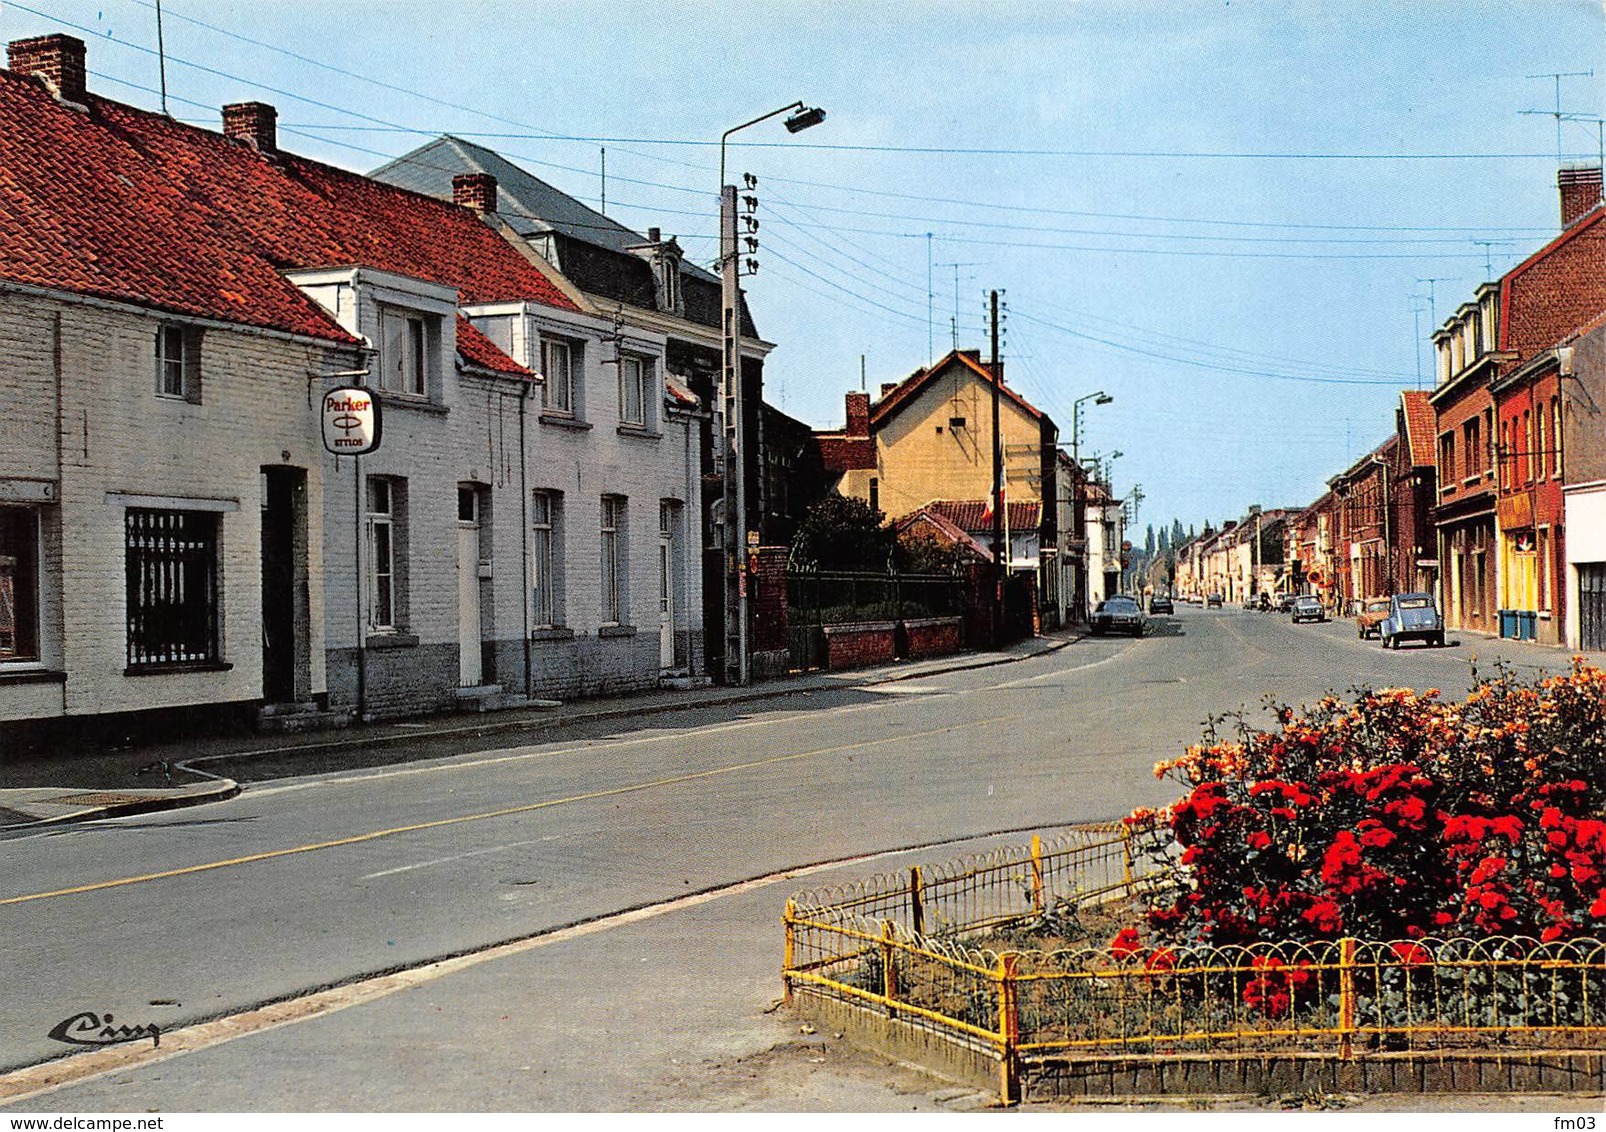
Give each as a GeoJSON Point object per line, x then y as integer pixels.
{"type": "Point", "coordinates": [1118, 615]}
{"type": "Point", "coordinates": [1160, 603]}
{"type": "Point", "coordinates": [1306, 608]}
{"type": "Point", "coordinates": [1286, 603]}
{"type": "Point", "coordinates": [1213, 601]}
{"type": "Point", "coordinates": [1372, 613]}
{"type": "Point", "coordinates": [1411, 617]}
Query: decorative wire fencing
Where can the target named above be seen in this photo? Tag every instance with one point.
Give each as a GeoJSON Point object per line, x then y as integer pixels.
{"type": "Point", "coordinates": [946, 948]}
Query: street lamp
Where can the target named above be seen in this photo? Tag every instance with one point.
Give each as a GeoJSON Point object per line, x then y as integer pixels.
{"type": "Point", "coordinates": [734, 501]}
{"type": "Point", "coordinates": [1099, 398]}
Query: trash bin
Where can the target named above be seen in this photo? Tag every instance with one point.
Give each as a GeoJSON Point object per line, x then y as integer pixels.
{"type": "Point", "coordinates": [1508, 624]}
{"type": "Point", "coordinates": [1527, 625]}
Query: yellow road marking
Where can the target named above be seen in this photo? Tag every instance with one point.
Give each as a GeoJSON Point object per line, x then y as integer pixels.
{"type": "Point", "coordinates": [507, 811]}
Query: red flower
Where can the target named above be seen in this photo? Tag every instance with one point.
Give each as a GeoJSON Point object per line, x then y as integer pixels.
{"type": "Point", "coordinates": [1411, 954]}
{"type": "Point", "coordinates": [1162, 959]}
{"type": "Point", "coordinates": [1125, 944]}
{"type": "Point", "coordinates": [1259, 839]}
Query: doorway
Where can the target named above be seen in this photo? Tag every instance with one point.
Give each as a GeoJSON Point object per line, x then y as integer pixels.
{"type": "Point", "coordinates": [286, 676]}
{"type": "Point", "coordinates": [667, 571]}
{"type": "Point", "coordinates": [470, 633]}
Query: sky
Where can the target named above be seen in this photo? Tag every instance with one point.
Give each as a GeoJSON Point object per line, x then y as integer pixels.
{"type": "Point", "coordinates": [1240, 220]}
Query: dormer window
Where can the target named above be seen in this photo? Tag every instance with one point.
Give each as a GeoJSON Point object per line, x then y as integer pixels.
{"type": "Point", "coordinates": [668, 282]}
{"type": "Point", "coordinates": [404, 362]}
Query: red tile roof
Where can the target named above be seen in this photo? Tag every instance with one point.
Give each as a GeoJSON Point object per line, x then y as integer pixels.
{"type": "Point", "coordinates": [129, 205]}
{"type": "Point", "coordinates": [944, 530]}
{"type": "Point", "coordinates": [966, 514]}
{"type": "Point", "coordinates": [1419, 425]}
{"type": "Point", "coordinates": [906, 390]}
{"type": "Point", "coordinates": [478, 350]}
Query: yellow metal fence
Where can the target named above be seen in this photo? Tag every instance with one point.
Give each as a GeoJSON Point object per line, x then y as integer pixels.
{"type": "Point", "coordinates": [947, 947]}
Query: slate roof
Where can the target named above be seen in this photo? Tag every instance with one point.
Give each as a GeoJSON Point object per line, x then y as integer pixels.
{"type": "Point", "coordinates": [125, 204]}
{"type": "Point", "coordinates": [966, 514]}
{"type": "Point", "coordinates": [1419, 425]}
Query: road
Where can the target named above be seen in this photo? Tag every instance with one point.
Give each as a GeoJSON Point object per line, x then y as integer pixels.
{"type": "Point", "coordinates": [314, 881]}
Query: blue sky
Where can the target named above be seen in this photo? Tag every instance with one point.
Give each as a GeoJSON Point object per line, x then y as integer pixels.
{"type": "Point", "coordinates": [1221, 214]}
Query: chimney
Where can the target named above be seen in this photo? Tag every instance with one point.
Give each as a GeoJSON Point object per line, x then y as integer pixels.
{"type": "Point", "coordinates": [858, 414]}
{"type": "Point", "coordinates": [888, 387]}
{"type": "Point", "coordinates": [57, 59]}
{"type": "Point", "coordinates": [254, 123]}
{"type": "Point", "coordinates": [653, 235]}
{"type": "Point", "coordinates": [475, 190]}
{"type": "Point", "coordinates": [1580, 193]}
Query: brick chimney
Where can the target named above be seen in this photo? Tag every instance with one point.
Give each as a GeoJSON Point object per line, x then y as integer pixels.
{"type": "Point", "coordinates": [57, 59]}
{"type": "Point", "coordinates": [858, 414]}
{"type": "Point", "coordinates": [475, 190]}
{"type": "Point", "coordinates": [254, 123]}
{"type": "Point", "coordinates": [1580, 193]}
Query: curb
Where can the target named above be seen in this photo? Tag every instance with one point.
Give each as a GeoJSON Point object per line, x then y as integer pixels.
{"type": "Point", "coordinates": [228, 788]}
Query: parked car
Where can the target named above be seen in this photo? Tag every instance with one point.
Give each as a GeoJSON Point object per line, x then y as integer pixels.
{"type": "Point", "coordinates": [1372, 613]}
{"type": "Point", "coordinates": [1285, 603]}
{"type": "Point", "coordinates": [1118, 615]}
{"type": "Point", "coordinates": [1307, 608]}
{"type": "Point", "coordinates": [1160, 603]}
{"type": "Point", "coordinates": [1411, 617]}
{"type": "Point", "coordinates": [1213, 601]}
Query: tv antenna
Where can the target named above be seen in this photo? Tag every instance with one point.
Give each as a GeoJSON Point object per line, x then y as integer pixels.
{"type": "Point", "coordinates": [1558, 113]}
{"type": "Point", "coordinates": [955, 324]}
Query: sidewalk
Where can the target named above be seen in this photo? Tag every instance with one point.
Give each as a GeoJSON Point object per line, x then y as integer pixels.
{"type": "Point", "coordinates": [87, 785]}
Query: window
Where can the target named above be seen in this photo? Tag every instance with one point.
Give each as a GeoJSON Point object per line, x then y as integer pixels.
{"type": "Point", "coordinates": [635, 385]}
{"type": "Point", "coordinates": [613, 559]}
{"type": "Point", "coordinates": [546, 555]}
{"type": "Point", "coordinates": [19, 584]}
{"type": "Point", "coordinates": [875, 493]}
{"type": "Point", "coordinates": [560, 362]}
{"type": "Point", "coordinates": [1555, 433]}
{"type": "Point", "coordinates": [1471, 448]}
{"type": "Point", "coordinates": [1447, 461]}
{"type": "Point", "coordinates": [171, 565]}
{"type": "Point", "coordinates": [387, 500]}
{"type": "Point", "coordinates": [178, 362]}
{"type": "Point", "coordinates": [404, 362]}
{"type": "Point", "coordinates": [1489, 452]}
{"type": "Point", "coordinates": [1527, 442]}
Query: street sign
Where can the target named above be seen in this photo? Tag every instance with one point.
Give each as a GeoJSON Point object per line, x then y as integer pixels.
{"type": "Point", "coordinates": [351, 421]}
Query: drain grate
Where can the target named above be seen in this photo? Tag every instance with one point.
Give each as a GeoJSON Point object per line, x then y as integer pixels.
{"type": "Point", "coordinates": [100, 799]}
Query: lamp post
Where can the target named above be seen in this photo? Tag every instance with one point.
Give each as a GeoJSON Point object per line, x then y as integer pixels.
{"type": "Point", "coordinates": [734, 469]}
{"type": "Point", "coordinates": [1099, 398]}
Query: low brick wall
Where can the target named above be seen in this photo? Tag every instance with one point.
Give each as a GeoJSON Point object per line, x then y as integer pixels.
{"type": "Point", "coordinates": [931, 636]}
{"type": "Point", "coordinates": [859, 644]}
{"type": "Point", "coordinates": [1450, 1071]}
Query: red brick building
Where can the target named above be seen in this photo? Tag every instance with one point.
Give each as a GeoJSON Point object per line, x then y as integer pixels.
{"type": "Point", "coordinates": [1412, 483]}
{"type": "Point", "coordinates": [1546, 298]}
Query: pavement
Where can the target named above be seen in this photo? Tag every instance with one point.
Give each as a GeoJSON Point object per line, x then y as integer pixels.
{"type": "Point", "coordinates": [87, 784]}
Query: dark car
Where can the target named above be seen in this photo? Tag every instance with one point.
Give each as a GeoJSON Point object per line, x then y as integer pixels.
{"type": "Point", "coordinates": [1160, 603]}
{"type": "Point", "coordinates": [1118, 615]}
{"type": "Point", "coordinates": [1213, 601]}
{"type": "Point", "coordinates": [1285, 604]}
{"type": "Point", "coordinates": [1307, 608]}
{"type": "Point", "coordinates": [1411, 617]}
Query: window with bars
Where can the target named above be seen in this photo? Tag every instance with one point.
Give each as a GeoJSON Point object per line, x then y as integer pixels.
{"type": "Point", "coordinates": [613, 559]}
{"type": "Point", "coordinates": [546, 530]}
{"type": "Point", "coordinates": [19, 584]}
{"type": "Point", "coordinates": [171, 559]}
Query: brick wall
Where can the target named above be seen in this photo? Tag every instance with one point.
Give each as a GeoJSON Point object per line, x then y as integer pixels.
{"type": "Point", "coordinates": [854, 646]}
{"type": "Point", "coordinates": [117, 437]}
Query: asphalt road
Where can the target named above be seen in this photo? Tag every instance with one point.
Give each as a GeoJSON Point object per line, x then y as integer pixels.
{"type": "Point", "coordinates": [308, 882]}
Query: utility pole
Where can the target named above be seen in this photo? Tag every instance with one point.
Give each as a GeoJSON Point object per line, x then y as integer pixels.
{"type": "Point", "coordinates": [999, 503]}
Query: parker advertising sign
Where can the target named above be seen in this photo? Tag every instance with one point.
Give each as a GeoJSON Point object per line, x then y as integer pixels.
{"type": "Point", "coordinates": [350, 421]}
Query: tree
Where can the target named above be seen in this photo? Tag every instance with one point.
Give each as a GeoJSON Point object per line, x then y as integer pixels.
{"type": "Point", "coordinates": [839, 533]}
{"type": "Point", "coordinates": [1148, 542]}
{"type": "Point", "coordinates": [1177, 537]}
